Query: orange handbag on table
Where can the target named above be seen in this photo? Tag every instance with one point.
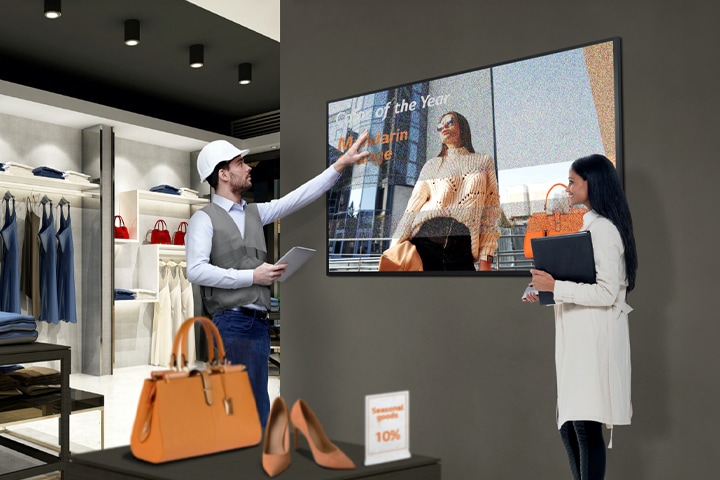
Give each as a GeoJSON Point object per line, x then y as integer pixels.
{"type": "Point", "coordinates": [543, 224]}
{"type": "Point", "coordinates": [186, 413]}
{"type": "Point", "coordinates": [160, 233]}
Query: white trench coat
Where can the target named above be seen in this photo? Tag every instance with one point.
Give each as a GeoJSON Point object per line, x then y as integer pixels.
{"type": "Point", "coordinates": [592, 341]}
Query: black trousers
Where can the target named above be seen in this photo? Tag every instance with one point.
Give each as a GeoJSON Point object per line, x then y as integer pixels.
{"type": "Point", "coordinates": [585, 447]}
{"type": "Point", "coordinates": [444, 245]}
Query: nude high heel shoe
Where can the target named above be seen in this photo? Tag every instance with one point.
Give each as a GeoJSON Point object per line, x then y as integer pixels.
{"type": "Point", "coordinates": [325, 453]}
{"type": "Point", "coordinates": [276, 446]}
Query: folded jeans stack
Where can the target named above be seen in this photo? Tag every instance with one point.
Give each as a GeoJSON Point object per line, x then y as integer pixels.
{"type": "Point", "coordinates": [17, 328]}
{"type": "Point", "coordinates": [169, 189]}
{"type": "Point", "coordinates": [48, 172]}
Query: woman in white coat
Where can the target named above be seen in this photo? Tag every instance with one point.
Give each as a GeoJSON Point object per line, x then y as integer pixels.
{"type": "Point", "coordinates": [592, 341]}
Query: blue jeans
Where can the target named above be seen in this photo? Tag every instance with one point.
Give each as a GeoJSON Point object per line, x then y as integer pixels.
{"type": "Point", "coordinates": [247, 342]}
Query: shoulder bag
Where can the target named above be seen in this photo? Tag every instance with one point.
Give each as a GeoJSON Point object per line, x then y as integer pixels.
{"type": "Point", "coordinates": [186, 413]}
{"type": "Point", "coordinates": [160, 233]}
{"type": "Point", "coordinates": [119, 229]}
{"type": "Point", "coordinates": [543, 224]}
{"type": "Point", "coordinates": [401, 257]}
{"type": "Point", "coordinates": [179, 235]}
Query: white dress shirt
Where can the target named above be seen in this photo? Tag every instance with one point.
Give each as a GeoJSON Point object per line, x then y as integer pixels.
{"type": "Point", "coordinates": [198, 239]}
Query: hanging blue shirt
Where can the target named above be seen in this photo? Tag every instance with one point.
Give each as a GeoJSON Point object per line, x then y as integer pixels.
{"type": "Point", "coordinates": [67, 310]}
{"type": "Point", "coordinates": [10, 271]}
{"type": "Point", "coordinates": [48, 267]}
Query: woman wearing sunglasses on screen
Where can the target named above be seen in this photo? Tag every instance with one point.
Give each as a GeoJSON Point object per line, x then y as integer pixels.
{"type": "Point", "coordinates": [453, 211]}
{"type": "Point", "coordinates": [592, 341]}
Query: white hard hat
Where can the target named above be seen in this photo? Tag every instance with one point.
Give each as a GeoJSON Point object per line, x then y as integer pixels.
{"type": "Point", "coordinates": [214, 153]}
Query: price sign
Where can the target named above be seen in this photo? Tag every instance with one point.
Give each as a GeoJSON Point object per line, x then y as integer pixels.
{"type": "Point", "coordinates": [387, 427]}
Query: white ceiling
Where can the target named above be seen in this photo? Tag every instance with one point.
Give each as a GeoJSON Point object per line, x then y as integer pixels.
{"type": "Point", "coordinates": [262, 16]}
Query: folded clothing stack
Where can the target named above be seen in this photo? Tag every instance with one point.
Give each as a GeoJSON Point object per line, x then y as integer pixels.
{"type": "Point", "coordinates": [124, 294]}
{"type": "Point", "coordinates": [189, 192]}
{"type": "Point", "coordinates": [2, 167]}
{"type": "Point", "coordinates": [48, 172]}
{"type": "Point", "coordinates": [37, 380]}
{"type": "Point", "coordinates": [274, 304]}
{"type": "Point", "coordinates": [8, 386]}
{"type": "Point", "coordinates": [19, 169]}
{"type": "Point", "coordinates": [165, 189]}
{"type": "Point", "coordinates": [17, 328]}
{"type": "Point", "coordinates": [76, 177]}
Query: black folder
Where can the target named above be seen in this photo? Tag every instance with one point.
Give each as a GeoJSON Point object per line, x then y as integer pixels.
{"type": "Point", "coordinates": [565, 257]}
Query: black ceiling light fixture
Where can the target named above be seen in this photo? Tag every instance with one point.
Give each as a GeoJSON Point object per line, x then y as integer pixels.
{"type": "Point", "coordinates": [132, 32]}
{"type": "Point", "coordinates": [52, 8]}
{"type": "Point", "coordinates": [244, 73]}
{"type": "Point", "coordinates": [197, 56]}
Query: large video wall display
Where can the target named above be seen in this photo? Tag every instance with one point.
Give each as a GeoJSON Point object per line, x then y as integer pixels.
{"type": "Point", "coordinates": [458, 164]}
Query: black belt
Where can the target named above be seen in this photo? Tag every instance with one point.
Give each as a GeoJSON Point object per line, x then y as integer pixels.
{"type": "Point", "coordinates": [252, 312]}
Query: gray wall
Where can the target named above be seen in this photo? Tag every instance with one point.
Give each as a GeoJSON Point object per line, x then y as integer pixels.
{"type": "Point", "coordinates": [478, 363]}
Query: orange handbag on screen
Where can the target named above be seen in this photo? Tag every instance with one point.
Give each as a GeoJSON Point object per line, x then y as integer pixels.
{"type": "Point", "coordinates": [186, 413]}
{"type": "Point", "coordinates": [543, 224]}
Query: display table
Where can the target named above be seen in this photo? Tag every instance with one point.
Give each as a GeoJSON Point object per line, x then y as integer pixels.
{"type": "Point", "coordinates": [41, 352]}
{"type": "Point", "coordinates": [119, 463]}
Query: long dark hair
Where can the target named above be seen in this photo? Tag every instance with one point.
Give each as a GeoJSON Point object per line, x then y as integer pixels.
{"type": "Point", "coordinates": [465, 134]}
{"type": "Point", "coordinates": [608, 199]}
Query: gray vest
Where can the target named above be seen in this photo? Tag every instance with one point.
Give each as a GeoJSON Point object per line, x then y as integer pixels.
{"type": "Point", "coordinates": [231, 250]}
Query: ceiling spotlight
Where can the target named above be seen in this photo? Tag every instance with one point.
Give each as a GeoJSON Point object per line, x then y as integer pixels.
{"type": "Point", "coordinates": [132, 32]}
{"type": "Point", "coordinates": [52, 8]}
{"type": "Point", "coordinates": [197, 56]}
{"type": "Point", "coordinates": [244, 73]}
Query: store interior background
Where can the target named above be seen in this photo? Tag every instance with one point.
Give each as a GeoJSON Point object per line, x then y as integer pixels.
{"type": "Point", "coordinates": [478, 363]}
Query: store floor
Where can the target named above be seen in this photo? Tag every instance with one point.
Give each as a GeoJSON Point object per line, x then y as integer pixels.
{"type": "Point", "coordinates": [121, 391]}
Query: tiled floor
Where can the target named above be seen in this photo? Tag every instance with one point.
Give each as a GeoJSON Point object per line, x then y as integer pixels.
{"type": "Point", "coordinates": [121, 391]}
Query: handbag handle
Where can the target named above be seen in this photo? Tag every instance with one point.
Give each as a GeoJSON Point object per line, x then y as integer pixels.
{"type": "Point", "coordinates": [180, 343]}
{"type": "Point", "coordinates": [162, 224]}
{"type": "Point", "coordinates": [547, 196]}
{"type": "Point", "coordinates": [182, 227]}
{"type": "Point", "coordinates": [122, 222]}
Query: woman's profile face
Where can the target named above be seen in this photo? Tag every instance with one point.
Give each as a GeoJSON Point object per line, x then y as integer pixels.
{"type": "Point", "coordinates": [449, 131]}
{"type": "Point", "coordinates": [577, 190]}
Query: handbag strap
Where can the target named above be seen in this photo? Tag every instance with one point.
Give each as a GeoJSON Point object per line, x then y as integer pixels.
{"type": "Point", "coordinates": [162, 224]}
{"type": "Point", "coordinates": [122, 222]}
{"type": "Point", "coordinates": [547, 196]}
{"type": "Point", "coordinates": [178, 357]}
{"type": "Point", "coordinates": [182, 227]}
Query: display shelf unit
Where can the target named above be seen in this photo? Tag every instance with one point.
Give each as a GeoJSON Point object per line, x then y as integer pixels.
{"type": "Point", "coordinates": [136, 262]}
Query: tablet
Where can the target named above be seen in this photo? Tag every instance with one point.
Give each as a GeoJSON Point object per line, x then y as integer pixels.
{"type": "Point", "coordinates": [295, 258]}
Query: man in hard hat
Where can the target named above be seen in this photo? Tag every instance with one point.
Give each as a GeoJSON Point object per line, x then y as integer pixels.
{"type": "Point", "coordinates": [227, 253]}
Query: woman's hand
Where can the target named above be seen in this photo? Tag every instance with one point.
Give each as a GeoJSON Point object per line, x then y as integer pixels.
{"type": "Point", "coordinates": [542, 281]}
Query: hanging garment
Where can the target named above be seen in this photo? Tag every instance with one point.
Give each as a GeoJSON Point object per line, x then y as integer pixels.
{"type": "Point", "coordinates": [10, 270]}
{"type": "Point", "coordinates": [188, 307]}
{"type": "Point", "coordinates": [162, 333]}
{"type": "Point", "coordinates": [67, 310]}
{"type": "Point", "coordinates": [48, 265]}
{"type": "Point", "coordinates": [30, 261]}
{"type": "Point", "coordinates": [176, 306]}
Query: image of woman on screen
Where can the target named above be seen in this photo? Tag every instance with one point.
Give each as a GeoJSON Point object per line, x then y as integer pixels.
{"type": "Point", "coordinates": [592, 341]}
{"type": "Point", "coordinates": [453, 211]}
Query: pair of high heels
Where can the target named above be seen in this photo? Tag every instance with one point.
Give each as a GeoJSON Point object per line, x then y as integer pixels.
{"type": "Point", "coordinates": [276, 445]}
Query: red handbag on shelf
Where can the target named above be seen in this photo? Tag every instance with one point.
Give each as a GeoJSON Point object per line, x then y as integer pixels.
{"type": "Point", "coordinates": [160, 234]}
{"type": "Point", "coordinates": [179, 235]}
{"type": "Point", "coordinates": [119, 228]}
